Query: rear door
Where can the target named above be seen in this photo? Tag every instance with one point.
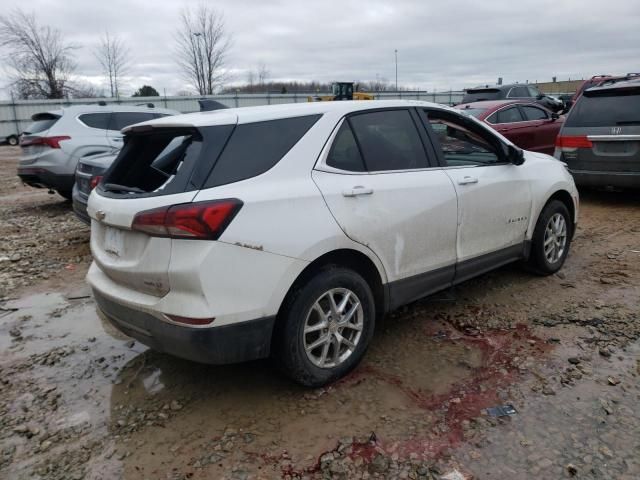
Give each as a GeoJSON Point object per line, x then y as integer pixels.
{"type": "Point", "coordinates": [494, 198]}
{"type": "Point", "coordinates": [608, 127]}
{"type": "Point", "coordinates": [120, 120]}
{"type": "Point", "coordinates": [381, 188]}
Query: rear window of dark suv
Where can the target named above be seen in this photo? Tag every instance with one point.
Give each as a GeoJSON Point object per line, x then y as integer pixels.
{"type": "Point", "coordinates": [614, 107]}
{"type": "Point", "coordinates": [172, 160]}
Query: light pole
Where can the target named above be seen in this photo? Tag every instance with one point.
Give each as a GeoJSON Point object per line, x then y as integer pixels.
{"type": "Point", "coordinates": [396, 52]}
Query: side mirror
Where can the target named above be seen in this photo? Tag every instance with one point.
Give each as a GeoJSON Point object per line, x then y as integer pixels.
{"type": "Point", "coordinates": [540, 96]}
{"type": "Point", "coordinates": [554, 116]}
{"type": "Point", "coordinates": [515, 155]}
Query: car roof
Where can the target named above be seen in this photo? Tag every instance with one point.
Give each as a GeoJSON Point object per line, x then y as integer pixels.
{"type": "Point", "coordinates": [273, 112]}
{"type": "Point", "coordinates": [96, 108]}
{"type": "Point", "coordinates": [494, 104]}
{"type": "Point", "coordinates": [613, 84]}
{"type": "Point", "coordinates": [496, 87]}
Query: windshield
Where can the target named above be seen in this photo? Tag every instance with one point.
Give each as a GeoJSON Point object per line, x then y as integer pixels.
{"type": "Point", "coordinates": [474, 112]}
{"type": "Point", "coordinates": [41, 125]}
{"type": "Point", "coordinates": [615, 108]}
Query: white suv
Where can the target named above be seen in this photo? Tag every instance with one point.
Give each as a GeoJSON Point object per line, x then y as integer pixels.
{"type": "Point", "coordinates": [290, 230]}
{"type": "Point", "coordinates": [56, 140]}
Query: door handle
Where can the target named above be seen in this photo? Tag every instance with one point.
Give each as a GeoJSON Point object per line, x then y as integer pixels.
{"type": "Point", "coordinates": [467, 180]}
{"type": "Point", "coordinates": [357, 190]}
{"type": "Point", "coordinates": [117, 139]}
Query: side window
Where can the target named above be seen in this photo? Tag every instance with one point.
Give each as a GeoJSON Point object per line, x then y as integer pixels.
{"type": "Point", "coordinates": [256, 147]}
{"type": "Point", "coordinates": [95, 120]}
{"type": "Point", "coordinates": [119, 120]}
{"type": "Point", "coordinates": [534, 113]}
{"type": "Point", "coordinates": [389, 140]}
{"type": "Point", "coordinates": [533, 91]}
{"type": "Point", "coordinates": [509, 115]}
{"type": "Point", "coordinates": [344, 153]}
{"type": "Point", "coordinates": [460, 145]}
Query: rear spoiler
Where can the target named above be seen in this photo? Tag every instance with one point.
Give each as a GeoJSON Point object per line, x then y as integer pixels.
{"type": "Point", "coordinates": [44, 116]}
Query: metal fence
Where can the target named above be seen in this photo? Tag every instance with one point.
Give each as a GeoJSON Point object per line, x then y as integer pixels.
{"type": "Point", "coordinates": [16, 115]}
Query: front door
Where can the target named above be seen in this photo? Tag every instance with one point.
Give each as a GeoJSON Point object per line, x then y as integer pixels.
{"type": "Point", "coordinates": [494, 198]}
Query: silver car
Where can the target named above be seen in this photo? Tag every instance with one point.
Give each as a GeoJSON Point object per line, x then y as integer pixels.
{"type": "Point", "coordinates": [600, 140]}
{"type": "Point", "coordinates": [56, 140]}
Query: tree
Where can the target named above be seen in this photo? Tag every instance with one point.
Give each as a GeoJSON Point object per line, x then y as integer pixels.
{"type": "Point", "coordinates": [113, 55]}
{"type": "Point", "coordinates": [40, 60]}
{"type": "Point", "coordinates": [146, 91]}
{"type": "Point", "coordinates": [202, 47]}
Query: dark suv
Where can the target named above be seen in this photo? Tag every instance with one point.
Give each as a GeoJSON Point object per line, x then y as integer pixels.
{"type": "Point", "coordinates": [516, 91]}
{"type": "Point", "coordinates": [600, 140]}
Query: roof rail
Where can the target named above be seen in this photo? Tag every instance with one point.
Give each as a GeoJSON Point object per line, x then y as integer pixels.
{"type": "Point", "coordinates": [148, 105]}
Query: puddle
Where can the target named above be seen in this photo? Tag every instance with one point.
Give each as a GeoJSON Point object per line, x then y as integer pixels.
{"type": "Point", "coordinates": [419, 382]}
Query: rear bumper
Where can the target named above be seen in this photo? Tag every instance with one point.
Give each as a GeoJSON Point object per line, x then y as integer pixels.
{"type": "Point", "coordinates": [224, 344]}
{"type": "Point", "coordinates": [41, 178]}
{"type": "Point", "coordinates": [587, 178]}
{"type": "Point", "coordinates": [79, 203]}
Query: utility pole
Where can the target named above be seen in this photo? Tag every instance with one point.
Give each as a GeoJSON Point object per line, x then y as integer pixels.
{"type": "Point", "coordinates": [199, 67]}
{"type": "Point", "coordinates": [396, 52]}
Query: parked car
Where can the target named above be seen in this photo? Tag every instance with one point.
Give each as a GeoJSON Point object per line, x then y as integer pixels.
{"type": "Point", "coordinates": [600, 140]}
{"type": "Point", "coordinates": [89, 173]}
{"type": "Point", "coordinates": [528, 125]}
{"type": "Point", "coordinates": [516, 91]}
{"type": "Point", "coordinates": [56, 140]}
{"type": "Point", "coordinates": [291, 229]}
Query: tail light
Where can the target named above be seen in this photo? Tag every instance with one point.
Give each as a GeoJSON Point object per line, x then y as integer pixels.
{"type": "Point", "coordinates": [95, 180]}
{"type": "Point", "coordinates": [574, 141]}
{"type": "Point", "coordinates": [198, 221]}
{"type": "Point", "coordinates": [53, 142]}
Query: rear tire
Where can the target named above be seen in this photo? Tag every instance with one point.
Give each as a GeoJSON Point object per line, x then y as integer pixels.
{"type": "Point", "coordinates": [65, 193]}
{"type": "Point", "coordinates": [340, 335]}
{"type": "Point", "coordinates": [551, 239]}
{"type": "Point", "coordinates": [12, 140]}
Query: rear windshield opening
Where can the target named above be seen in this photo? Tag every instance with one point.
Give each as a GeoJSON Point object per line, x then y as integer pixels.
{"type": "Point", "coordinates": [149, 162]}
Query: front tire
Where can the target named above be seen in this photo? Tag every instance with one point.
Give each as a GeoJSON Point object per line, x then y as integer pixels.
{"type": "Point", "coordinates": [551, 239]}
{"type": "Point", "coordinates": [12, 140]}
{"type": "Point", "coordinates": [325, 327]}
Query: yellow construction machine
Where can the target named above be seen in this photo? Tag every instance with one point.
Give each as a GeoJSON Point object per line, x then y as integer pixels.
{"type": "Point", "coordinates": [341, 91]}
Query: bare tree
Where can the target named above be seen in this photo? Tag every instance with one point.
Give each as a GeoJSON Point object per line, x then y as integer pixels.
{"type": "Point", "coordinates": [114, 56]}
{"type": "Point", "coordinates": [263, 74]}
{"type": "Point", "coordinates": [40, 60]}
{"type": "Point", "coordinates": [202, 47]}
{"type": "Point", "coordinates": [251, 80]}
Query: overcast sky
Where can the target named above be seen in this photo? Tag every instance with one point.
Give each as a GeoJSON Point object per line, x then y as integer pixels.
{"type": "Point", "coordinates": [441, 44]}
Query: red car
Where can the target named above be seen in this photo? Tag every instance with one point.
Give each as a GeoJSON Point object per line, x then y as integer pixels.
{"type": "Point", "coordinates": [525, 123]}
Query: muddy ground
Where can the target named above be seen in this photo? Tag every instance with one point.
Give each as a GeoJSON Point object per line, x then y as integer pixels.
{"type": "Point", "coordinates": [79, 400]}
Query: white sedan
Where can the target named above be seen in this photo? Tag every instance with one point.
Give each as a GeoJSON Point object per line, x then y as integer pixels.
{"type": "Point", "coordinates": [290, 230]}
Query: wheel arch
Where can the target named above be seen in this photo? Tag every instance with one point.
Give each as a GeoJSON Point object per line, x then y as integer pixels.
{"type": "Point", "coordinates": [566, 198]}
{"type": "Point", "coordinates": [348, 258]}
